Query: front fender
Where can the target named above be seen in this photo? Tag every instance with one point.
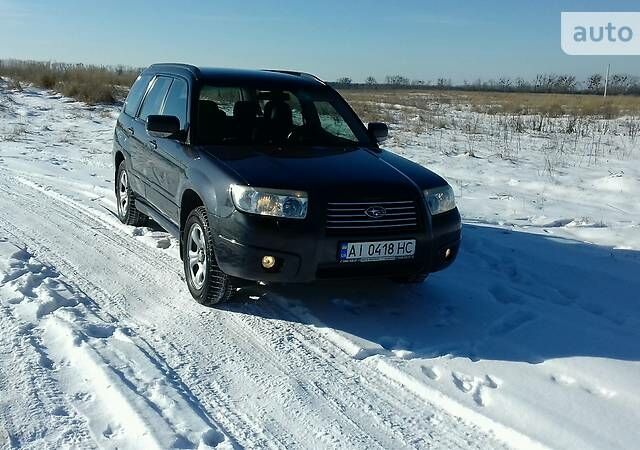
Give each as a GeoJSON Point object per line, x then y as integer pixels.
{"type": "Point", "coordinates": [210, 178]}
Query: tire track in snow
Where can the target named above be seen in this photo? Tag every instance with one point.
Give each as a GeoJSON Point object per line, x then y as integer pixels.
{"type": "Point", "coordinates": [27, 385]}
{"type": "Point", "coordinates": [371, 356]}
{"type": "Point", "coordinates": [105, 375]}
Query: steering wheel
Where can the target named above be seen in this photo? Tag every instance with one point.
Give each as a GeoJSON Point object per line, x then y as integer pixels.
{"type": "Point", "coordinates": [297, 134]}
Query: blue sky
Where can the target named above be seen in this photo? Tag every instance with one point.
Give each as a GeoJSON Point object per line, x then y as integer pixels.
{"type": "Point", "coordinates": [462, 40]}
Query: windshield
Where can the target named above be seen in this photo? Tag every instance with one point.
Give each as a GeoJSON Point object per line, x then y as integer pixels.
{"type": "Point", "coordinates": [246, 115]}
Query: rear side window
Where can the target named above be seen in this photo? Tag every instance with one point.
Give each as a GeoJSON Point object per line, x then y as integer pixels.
{"type": "Point", "coordinates": [135, 95]}
{"type": "Point", "coordinates": [176, 102]}
{"type": "Point", "coordinates": [224, 97]}
{"type": "Point", "coordinates": [152, 103]}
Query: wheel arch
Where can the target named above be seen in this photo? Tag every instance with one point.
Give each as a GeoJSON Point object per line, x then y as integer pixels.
{"type": "Point", "coordinates": [189, 201]}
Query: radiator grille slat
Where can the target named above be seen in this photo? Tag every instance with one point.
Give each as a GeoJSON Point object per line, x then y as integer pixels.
{"type": "Point", "coordinates": [351, 217]}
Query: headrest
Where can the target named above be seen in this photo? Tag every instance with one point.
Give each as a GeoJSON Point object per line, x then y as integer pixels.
{"type": "Point", "coordinates": [245, 110]}
{"type": "Point", "coordinates": [208, 107]}
{"type": "Point", "coordinates": [280, 112]}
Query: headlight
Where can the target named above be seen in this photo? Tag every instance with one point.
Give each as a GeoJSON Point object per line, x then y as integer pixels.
{"type": "Point", "coordinates": [270, 202]}
{"type": "Point", "coordinates": [440, 199]}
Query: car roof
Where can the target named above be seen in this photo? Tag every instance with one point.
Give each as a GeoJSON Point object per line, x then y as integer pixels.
{"type": "Point", "coordinates": [228, 76]}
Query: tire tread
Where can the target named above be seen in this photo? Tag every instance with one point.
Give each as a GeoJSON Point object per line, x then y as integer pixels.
{"type": "Point", "coordinates": [219, 287]}
{"type": "Point", "coordinates": [133, 217]}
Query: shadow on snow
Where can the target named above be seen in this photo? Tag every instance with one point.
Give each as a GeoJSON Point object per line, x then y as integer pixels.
{"type": "Point", "coordinates": [510, 296]}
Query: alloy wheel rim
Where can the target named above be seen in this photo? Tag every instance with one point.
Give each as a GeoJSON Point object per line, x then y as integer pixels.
{"type": "Point", "coordinates": [197, 255]}
{"type": "Point", "coordinates": [123, 193]}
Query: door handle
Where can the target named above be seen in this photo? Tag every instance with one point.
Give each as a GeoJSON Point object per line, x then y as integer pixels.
{"type": "Point", "coordinates": [153, 144]}
{"type": "Point", "coordinates": [131, 130]}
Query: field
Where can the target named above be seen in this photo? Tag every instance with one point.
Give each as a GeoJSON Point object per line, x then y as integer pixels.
{"type": "Point", "coordinates": [563, 129]}
{"type": "Point", "coordinates": [530, 340]}
{"type": "Point", "coordinates": [516, 103]}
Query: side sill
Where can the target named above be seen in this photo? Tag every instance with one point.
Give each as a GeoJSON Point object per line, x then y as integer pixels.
{"type": "Point", "coordinates": [150, 211]}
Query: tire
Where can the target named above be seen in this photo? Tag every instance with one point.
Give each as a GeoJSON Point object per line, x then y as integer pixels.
{"type": "Point", "coordinates": [409, 279]}
{"type": "Point", "coordinates": [125, 197]}
{"type": "Point", "coordinates": [208, 284]}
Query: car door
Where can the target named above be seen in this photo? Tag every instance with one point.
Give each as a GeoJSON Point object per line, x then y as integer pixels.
{"type": "Point", "coordinates": [140, 141]}
{"type": "Point", "coordinates": [125, 128]}
{"type": "Point", "coordinates": [166, 167]}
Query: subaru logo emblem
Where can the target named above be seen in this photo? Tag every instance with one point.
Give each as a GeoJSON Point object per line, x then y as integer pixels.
{"type": "Point", "coordinates": [375, 212]}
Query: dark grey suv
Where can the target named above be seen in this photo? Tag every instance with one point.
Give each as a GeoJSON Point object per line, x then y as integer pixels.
{"type": "Point", "coordinates": [270, 176]}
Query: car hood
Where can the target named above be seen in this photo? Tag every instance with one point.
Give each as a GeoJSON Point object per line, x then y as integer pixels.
{"type": "Point", "coordinates": [353, 173]}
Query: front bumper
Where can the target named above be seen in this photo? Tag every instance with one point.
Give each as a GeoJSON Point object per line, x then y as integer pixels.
{"type": "Point", "coordinates": [306, 253]}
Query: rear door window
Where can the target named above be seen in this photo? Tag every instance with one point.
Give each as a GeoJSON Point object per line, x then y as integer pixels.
{"type": "Point", "coordinates": [135, 95]}
{"type": "Point", "coordinates": [154, 99]}
{"type": "Point", "coordinates": [224, 97]}
{"type": "Point", "coordinates": [176, 102]}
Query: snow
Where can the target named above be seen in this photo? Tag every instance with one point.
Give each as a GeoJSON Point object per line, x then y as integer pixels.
{"type": "Point", "coordinates": [529, 340]}
{"type": "Point", "coordinates": [95, 360]}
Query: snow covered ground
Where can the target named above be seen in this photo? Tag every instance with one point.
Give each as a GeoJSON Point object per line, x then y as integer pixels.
{"type": "Point", "coordinates": [531, 339]}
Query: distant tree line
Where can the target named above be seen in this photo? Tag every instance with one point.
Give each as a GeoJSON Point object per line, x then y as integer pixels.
{"type": "Point", "coordinates": [619, 84]}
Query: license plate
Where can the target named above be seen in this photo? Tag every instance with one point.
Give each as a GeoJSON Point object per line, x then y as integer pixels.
{"type": "Point", "coordinates": [377, 250]}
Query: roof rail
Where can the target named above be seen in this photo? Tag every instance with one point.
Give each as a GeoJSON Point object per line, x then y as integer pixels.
{"type": "Point", "coordinates": [296, 73]}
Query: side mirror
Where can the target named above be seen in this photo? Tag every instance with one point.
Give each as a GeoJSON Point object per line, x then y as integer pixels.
{"type": "Point", "coordinates": [163, 126]}
{"type": "Point", "coordinates": [378, 131]}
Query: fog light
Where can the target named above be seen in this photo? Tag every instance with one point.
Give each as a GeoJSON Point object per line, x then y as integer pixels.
{"type": "Point", "coordinates": [268, 261]}
{"type": "Point", "coordinates": [447, 253]}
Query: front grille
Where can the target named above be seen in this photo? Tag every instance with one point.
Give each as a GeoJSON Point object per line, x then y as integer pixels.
{"type": "Point", "coordinates": [351, 217]}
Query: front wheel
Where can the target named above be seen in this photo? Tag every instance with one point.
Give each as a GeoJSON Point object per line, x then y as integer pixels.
{"type": "Point", "coordinates": [207, 283]}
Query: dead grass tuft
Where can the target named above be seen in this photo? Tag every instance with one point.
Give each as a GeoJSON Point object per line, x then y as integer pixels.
{"type": "Point", "coordinates": [90, 84]}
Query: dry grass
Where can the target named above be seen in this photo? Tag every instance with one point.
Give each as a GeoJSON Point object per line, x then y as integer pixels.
{"type": "Point", "coordinates": [91, 84]}
{"type": "Point", "coordinates": [571, 128]}
{"type": "Point", "coordinates": [502, 117]}
{"type": "Point", "coordinates": [368, 102]}
{"type": "Point", "coordinates": [15, 134]}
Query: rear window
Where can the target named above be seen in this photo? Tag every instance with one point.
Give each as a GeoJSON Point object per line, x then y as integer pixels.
{"type": "Point", "coordinates": [135, 95]}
